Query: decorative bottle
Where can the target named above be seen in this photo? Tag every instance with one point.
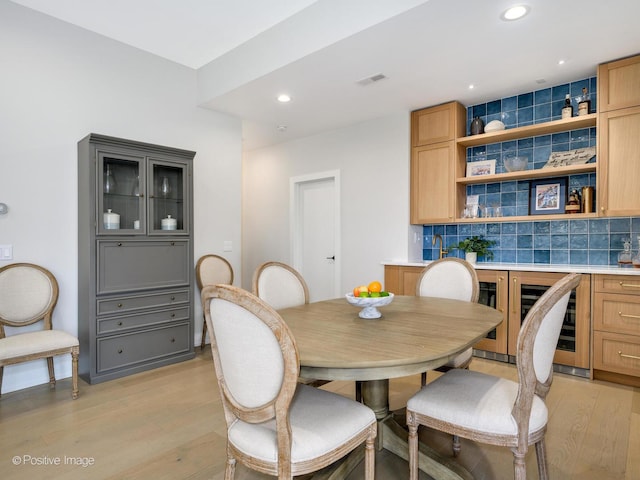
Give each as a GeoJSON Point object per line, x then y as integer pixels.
{"type": "Point", "coordinates": [625, 256]}
{"type": "Point", "coordinates": [109, 181]}
{"type": "Point", "coordinates": [567, 110]}
{"type": "Point", "coordinates": [584, 106]}
{"type": "Point", "coordinates": [477, 126]}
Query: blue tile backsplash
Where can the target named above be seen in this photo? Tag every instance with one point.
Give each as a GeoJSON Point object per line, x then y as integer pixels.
{"type": "Point", "coordinates": [595, 241]}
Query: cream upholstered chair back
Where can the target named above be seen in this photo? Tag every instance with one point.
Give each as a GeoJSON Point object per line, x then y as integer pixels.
{"type": "Point", "coordinates": [254, 353]}
{"type": "Point", "coordinates": [274, 424]}
{"type": "Point", "coordinates": [280, 285]}
{"type": "Point", "coordinates": [212, 270]}
{"type": "Point", "coordinates": [28, 294]}
{"type": "Point", "coordinates": [449, 278]}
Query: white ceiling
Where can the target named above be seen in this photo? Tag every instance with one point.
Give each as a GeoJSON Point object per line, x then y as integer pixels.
{"type": "Point", "coordinates": [248, 51]}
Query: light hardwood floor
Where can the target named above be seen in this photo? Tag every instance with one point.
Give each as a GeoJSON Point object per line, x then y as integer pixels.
{"type": "Point", "coordinates": [168, 424]}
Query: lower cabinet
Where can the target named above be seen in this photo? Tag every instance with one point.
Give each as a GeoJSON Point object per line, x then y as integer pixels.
{"type": "Point", "coordinates": [616, 325]}
{"type": "Point", "coordinates": [514, 293]}
{"type": "Point", "coordinates": [573, 345]}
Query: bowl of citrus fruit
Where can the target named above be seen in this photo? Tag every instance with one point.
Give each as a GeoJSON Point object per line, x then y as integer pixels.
{"type": "Point", "coordinates": [370, 297]}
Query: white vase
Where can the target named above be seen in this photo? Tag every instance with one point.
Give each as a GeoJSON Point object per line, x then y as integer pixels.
{"type": "Point", "coordinates": [471, 257]}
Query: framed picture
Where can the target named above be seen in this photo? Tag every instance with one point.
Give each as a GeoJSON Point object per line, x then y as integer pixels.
{"type": "Point", "coordinates": [547, 196]}
{"type": "Point", "coordinates": [484, 167]}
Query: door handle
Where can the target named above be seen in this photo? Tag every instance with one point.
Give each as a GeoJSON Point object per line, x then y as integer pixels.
{"type": "Point", "coordinates": [331, 258]}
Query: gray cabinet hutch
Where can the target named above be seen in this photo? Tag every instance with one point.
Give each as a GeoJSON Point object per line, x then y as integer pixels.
{"type": "Point", "coordinates": [135, 256]}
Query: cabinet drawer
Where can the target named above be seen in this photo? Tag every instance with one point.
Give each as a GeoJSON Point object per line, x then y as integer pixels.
{"type": "Point", "coordinates": [616, 353]}
{"type": "Point", "coordinates": [133, 303]}
{"type": "Point", "coordinates": [629, 284]}
{"type": "Point", "coordinates": [617, 313]}
{"type": "Point", "coordinates": [139, 265]}
{"type": "Point", "coordinates": [141, 347]}
{"type": "Point", "coordinates": [127, 322]}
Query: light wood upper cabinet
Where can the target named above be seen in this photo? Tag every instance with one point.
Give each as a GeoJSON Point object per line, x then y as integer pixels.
{"type": "Point", "coordinates": [433, 162]}
{"type": "Point", "coordinates": [619, 84]}
{"type": "Point", "coordinates": [432, 187]}
{"type": "Point", "coordinates": [619, 162]}
{"type": "Point", "coordinates": [438, 124]}
{"type": "Point", "coordinates": [618, 139]}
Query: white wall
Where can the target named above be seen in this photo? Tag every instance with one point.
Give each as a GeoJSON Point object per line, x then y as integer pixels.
{"type": "Point", "coordinates": [373, 159]}
{"type": "Point", "coordinates": [60, 83]}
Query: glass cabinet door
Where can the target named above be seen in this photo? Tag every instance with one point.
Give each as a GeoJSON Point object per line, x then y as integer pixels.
{"type": "Point", "coordinates": [121, 195]}
{"type": "Point", "coordinates": [573, 344]}
{"type": "Point", "coordinates": [168, 197]}
{"type": "Point", "coordinates": [494, 293]}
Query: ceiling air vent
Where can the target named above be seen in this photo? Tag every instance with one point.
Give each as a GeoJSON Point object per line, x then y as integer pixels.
{"type": "Point", "coordinates": [372, 79]}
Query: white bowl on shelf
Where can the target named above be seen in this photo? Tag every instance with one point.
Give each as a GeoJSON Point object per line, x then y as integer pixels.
{"type": "Point", "coordinates": [515, 163]}
{"type": "Point", "coordinates": [370, 304]}
{"type": "Point", "coordinates": [494, 126]}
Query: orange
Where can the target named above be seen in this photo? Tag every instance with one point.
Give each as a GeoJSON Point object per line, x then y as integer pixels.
{"type": "Point", "coordinates": [375, 287]}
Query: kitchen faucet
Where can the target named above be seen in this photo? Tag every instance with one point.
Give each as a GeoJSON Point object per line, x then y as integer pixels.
{"type": "Point", "coordinates": [433, 242]}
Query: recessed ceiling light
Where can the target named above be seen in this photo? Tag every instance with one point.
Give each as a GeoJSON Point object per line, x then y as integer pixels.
{"type": "Point", "coordinates": [560, 62]}
{"type": "Point", "coordinates": [282, 128]}
{"type": "Point", "coordinates": [284, 98]}
{"type": "Point", "coordinates": [472, 86]}
{"type": "Point", "coordinates": [515, 12]}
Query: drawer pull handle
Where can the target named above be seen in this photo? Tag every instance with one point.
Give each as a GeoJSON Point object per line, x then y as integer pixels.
{"type": "Point", "coordinates": [173, 340]}
{"type": "Point", "coordinates": [624, 355]}
{"type": "Point", "coordinates": [119, 244]}
{"type": "Point", "coordinates": [119, 324]}
{"type": "Point", "coordinates": [173, 315]}
{"type": "Point", "coordinates": [173, 298]}
{"type": "Point", "coordinates": [173, 244]}
{"type": "Point", "coordinates": [627, 315]}
{"type": "Point", "coordinates": [629, 285]}
{"type": "Point", "coordinates": [119, 350]}
{"type": "Point", "coordinates": [119, 305]}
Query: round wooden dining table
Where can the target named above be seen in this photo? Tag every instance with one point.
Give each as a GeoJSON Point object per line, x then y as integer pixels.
{"type": "Point", "coordinates": [413, 335]}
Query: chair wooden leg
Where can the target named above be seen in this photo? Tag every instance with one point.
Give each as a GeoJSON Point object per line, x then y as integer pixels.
{"type": "Point", "coordinates": [52, 374]}
{"type": "Point", "coordinates": [519, 466]}
{"type": "Point", "coordinates": [74, 372]}
{"type": "Point", "coordinates": [370, 456]}
{"type": "Point", "coordinates": [413, 446]}
{"type": "Point", "coordinates": [456, 445]}
{"type": "Point", "coordinates": [230, 470]}
{"type": "Point", "coordinates": [541, 455]}
{"type": "Point", "coordinates": [204, 334]}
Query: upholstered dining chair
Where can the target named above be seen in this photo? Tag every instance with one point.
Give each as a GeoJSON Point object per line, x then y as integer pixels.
{"type": "Point", "coordinates": [28, 294]}
{"type": "Point", "coordinates": [282, 286]}
{"type": "Point", "coordinates": [211, 270]}
{"type": "Point", "coordinates": [275, 424]}
{"type": "Point", "coordinates": [452, 278]}
{"type": "Point", "coordinates": [494, 410]}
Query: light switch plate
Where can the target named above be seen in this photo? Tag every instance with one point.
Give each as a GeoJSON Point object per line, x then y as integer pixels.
{"type": "Point", "coordinates": [6, 252]}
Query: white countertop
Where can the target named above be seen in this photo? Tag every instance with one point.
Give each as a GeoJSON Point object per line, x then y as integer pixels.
{"type": "Point", "coordinates": [530, 267]}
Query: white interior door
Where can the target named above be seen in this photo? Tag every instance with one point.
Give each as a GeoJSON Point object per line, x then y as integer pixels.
{"type": "Point", "coordinates": [315, 233]}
